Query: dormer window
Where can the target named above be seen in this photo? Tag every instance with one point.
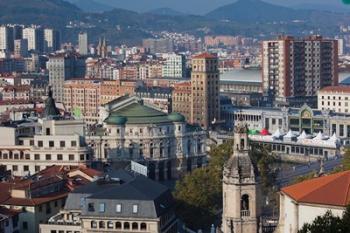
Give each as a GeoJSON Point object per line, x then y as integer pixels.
{"type": "Point", "coordinates": [102, 207]}
{"type": "Point", "coordinates": [118, 208]}
{"type": "Point", "coordinates": [135, 209]}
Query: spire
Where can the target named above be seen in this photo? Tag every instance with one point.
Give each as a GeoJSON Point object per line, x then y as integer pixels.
{"type": "Point", "coordinates": [50, 106]}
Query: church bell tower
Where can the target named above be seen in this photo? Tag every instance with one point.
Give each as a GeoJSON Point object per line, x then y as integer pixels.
{"type": "Point", "coordinates": [241, 205]}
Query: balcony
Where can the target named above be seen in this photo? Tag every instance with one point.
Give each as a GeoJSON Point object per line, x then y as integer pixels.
{"type": "Point", "coordinates": [245, 213]}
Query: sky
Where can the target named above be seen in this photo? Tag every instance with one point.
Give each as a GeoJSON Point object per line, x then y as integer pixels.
{"type": "Point", "coordinates": [204, 6]}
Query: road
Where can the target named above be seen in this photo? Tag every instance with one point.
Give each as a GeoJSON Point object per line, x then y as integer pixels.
{"type": "Point", "coordinates": [286, 176]}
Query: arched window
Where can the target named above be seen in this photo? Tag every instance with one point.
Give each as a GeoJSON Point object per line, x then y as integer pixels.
{"type": "Point", "coordinates": [102, 224]}
{"type": "Point", "coordinates": [135, 226]}
{"type": "Point", "coordinates": [245, 205]}
{"type": "Point", "coordinates": [110, 225]}
{"type": "Point", "coordinates": [126, 226]}
{"type": "Point", "coordinates": [143, 226]}
{"type": "Point", "coordinates": [93, 224]}
{"type": "Point", "coordinates": [118, 225]}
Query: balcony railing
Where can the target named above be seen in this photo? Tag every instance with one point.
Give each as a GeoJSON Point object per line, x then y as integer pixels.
{"type": "Point", "coordinates": [245, 213]}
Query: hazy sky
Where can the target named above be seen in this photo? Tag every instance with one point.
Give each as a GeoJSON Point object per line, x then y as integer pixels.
{"type": "Point", "coordinates": [203, 6]}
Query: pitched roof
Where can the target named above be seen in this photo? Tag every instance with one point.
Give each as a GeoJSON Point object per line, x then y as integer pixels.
{"type": "Point", "coordinates": [331, 190]}
{"type": "Point", "coordinates": [205, 55]}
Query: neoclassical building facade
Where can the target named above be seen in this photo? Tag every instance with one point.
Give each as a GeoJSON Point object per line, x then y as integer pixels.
{"type": "Point", "coordinates": [131, 130]}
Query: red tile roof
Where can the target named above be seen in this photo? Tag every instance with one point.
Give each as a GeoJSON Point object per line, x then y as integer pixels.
{"type": "Point", "coordinates": [205, 56]}
{"type": "Point", "coordinates": [343, 89]}
{"type": "Point", "coordinates": [331, 190]}
{"type": "Point", "coordinates": [8, 212]}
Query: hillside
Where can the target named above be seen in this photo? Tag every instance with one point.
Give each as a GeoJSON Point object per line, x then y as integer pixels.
{"type": "Point", "coordinates": [46, 12]}
{"type": "Point", "coordinates": [166, 11]}
{"type": "Point", "coordinates": [90, 5]}
{"type": "Point", "coordinates": [257, 11]}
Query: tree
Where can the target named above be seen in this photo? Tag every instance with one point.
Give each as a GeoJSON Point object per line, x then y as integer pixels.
{"type": "Point", "coordinates": [199, 194]}
{"type": "Point", "coordinates": [329, 223]}
{"type": "Point", "coordinates": [346, 160]}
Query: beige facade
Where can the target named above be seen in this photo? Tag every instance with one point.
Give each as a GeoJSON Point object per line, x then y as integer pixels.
{"type": "Point", "coordinates": [334, 98]}
{"type": "Point", "coordinates": [181, 99]}
{"type": "Point", "coordinates": [241, 204]}
{"type": "Point", "coordinates": [28, 149]}
{"type": "Point", "coordinates": [205, 103]}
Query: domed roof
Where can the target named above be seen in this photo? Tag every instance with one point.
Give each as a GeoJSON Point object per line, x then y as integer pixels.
{"type": "Point", "coordinates": [176, 117]}
{"type": "Point", "coordinates": [116, 120]}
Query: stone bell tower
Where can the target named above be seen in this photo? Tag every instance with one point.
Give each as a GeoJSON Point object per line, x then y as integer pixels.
{"type": "Point", "coordinates": [241, 205]}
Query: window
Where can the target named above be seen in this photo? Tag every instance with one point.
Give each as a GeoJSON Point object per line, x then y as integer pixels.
{"type": "Point", "coordinates": [40, 143]}
{"type": "Point", "coordinates": [134, 209]}
{"type": "Point", "coordinates": [82, 157]}
{"type": "Point", "coordinates": [91, 207]}
{"type": "Point", "coordinates": [37, 168]}
{"type": "Point", "coordinates": [135, 226]}
{"type": "Point", "coordinates": [118, 208]}
{"type": "Point", "coordinates": [36, 157]}
{"type": "Point", "coordinates": [14, 168]}
{"type": "Point", "coordinates": [101, 207]}
{"type": "Point", "coordinates": [126, 226]}
{"type": "Point", "coordinates": [31, 142]}
{"type": "Point", "coordinates": [62, 143]}
{"type": "Point", "coordinates": [71, 157]}
{"type": "Point", "coordinates": [118, 225]}
{"type": "Point", "coordinates": [51, 143]}
{"type": "Point", "coordinates": [25, 225]}
{"type": "Point", "coordinates": [110, 225]}
{"type": "Point", "coordinates": [48, 131]}
{"type": "Point", "coordinates": [102, 224]}
{"type": "Point", "coordinates": [48, 156]}
{"type": "Point", "coordinates": [73, 143]}
{"type": "Point", "coordinates": [143, 226]}
{"type": "Point", "coordinates": [25, 168]}
{"type": "Point", "coordinates": [59, 157]}
{"type": "Point", "coordinates": [27, 156]}
{"type": "Point", "coordinates": [93, 224]}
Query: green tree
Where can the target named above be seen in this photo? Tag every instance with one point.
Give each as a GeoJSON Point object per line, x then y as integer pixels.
{"type": "Point", "coordinates": [346, 160]}
{"type": "Point", "coordinates": [199, 194]}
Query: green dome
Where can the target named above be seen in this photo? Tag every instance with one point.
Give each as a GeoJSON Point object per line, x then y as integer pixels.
{"type": "Point", "coordinates": [176, 117]}
{"type": "Point", "coordinates": [116, 120]}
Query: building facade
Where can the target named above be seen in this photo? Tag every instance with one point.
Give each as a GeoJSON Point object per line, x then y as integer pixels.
{"type": "Point", "coordinates": [61, 67]}
{"type": "Point", "coordinates": [109, 205]}
{"type": "Point", "coordinates": [83, 43]}
{"type": "Point", "coordinates": [312, 121]}
{"type": "Point", "coordinates": [334, 98]}
{"type": "Point", "coordinates": [52, 40]}
{"type": "Point", "coordinates": [298, 67]}
{"type": "Point", "coordinates": [182, 99]}
{"type": "Point", "coordinates": [241, 204]}
{"type": "Point", "coordinates": [174, 66]}
{"type": "Point", "coordinates": [205, 102]}
{"type": "Point", "coordinates": [302, 203]}
{"type": "Point", "coordinates": [132, 130]}
{"type": "Point", "coordinates": [29, 147]}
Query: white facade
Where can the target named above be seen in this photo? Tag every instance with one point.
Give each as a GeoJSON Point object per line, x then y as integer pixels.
{"type": "Point", "coordinates": [5, 38]}
{"type": "Point", "coordinates": [336, 100]}
{"type": "Point", "coordinates": [174, 66]}
{"type": "Point", "coordinates": [83, 43]}
{"type": "Point", "coordinates": [21, 48]}
{"type": "Point", "coordinates": [294, 215]}
{"type": "Point", "coordinates": [35, 38]}
{"type": "Point", "coordinates": [30, 148]}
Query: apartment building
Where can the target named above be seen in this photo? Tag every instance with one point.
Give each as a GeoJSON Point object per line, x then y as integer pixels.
{"type": "Point", "coordinates": [181, 99]}
{"type": "Point", "coordinates": [294, 67]}
{"type": "Point", "coordinates": [29, 147]}
{"type": "Point", "coordinates": [335, 98]}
